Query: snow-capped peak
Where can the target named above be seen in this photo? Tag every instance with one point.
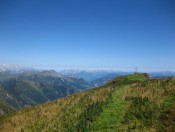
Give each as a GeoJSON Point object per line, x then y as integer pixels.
{"type": "Point", "coordinates": [14, 68]}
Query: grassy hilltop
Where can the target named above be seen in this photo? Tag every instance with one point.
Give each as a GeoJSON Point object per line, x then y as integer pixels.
{"type": "Point", "coordinates": [128, 103]}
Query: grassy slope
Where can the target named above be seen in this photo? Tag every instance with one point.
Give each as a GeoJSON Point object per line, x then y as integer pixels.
{"type": "Point", "coordinates": [113, 113]}
{"type": "Point", "coordinates": [146, 105]}
{"type": "Point", "coordinates": [62, 115]}
{"type": "Point", "coordinates": [129, 103]}
{"type": "Point", "coordinates": [149, 110]}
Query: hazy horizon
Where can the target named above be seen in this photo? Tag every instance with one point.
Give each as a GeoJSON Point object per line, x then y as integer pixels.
{"type": "Point", "coordinates": [116, 69]}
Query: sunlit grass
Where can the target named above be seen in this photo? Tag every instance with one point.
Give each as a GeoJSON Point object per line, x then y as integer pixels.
{"type": "Point", "coordinates": [129, 103]}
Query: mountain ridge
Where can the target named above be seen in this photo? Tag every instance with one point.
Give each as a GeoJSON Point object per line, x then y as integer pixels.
{"type": "Point", "coordinates": [32, 88]}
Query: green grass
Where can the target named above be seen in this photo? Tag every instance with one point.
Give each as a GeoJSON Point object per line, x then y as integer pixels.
{"type": "Point", "coordinates": [136, 77]}
{"type": "Point", "coordinates": [111, 117]}
{"type": "Point", "coordinates": [169, 103]}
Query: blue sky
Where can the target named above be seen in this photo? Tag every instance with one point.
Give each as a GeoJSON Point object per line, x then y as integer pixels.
{"type": "Point", "coordinates": [88, 33]}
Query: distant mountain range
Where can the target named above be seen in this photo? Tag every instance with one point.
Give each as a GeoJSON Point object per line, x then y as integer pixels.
{"type": "Point", "coordinates": [86, 74]}
{"type": "Point", "coordinates": [100, 77]}
{"type": "Point", "coordinates": [32, 88]}
{"type": "Point", "coordinates": [162, 74]}
{"type": "Point", "coordinates": [97, 77]}
{"type": "Point", "coordinates": [5, 68]}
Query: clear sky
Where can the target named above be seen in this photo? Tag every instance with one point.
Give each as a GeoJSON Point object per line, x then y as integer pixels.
{"type": "Point", "coordinates": [88, 33]}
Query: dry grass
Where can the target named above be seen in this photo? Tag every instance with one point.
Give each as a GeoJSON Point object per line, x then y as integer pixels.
{"type": "Point", "coordinates": [55, 115]}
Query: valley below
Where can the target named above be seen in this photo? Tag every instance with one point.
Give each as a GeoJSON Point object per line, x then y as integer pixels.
{"type": "Point", "coordinates": [31, 88]}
